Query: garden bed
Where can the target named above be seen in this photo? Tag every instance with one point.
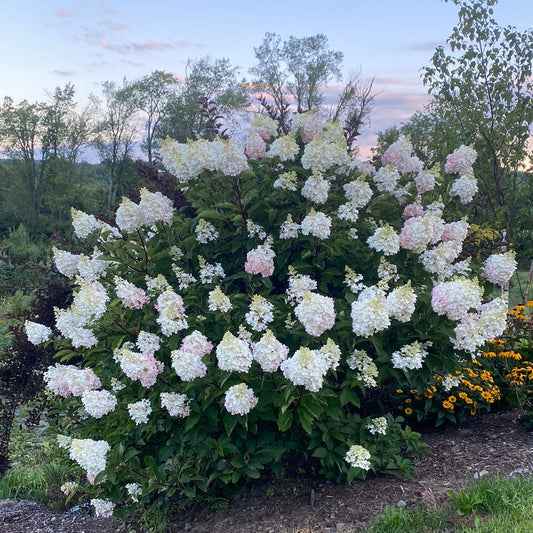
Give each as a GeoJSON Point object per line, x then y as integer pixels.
{"type": "Point", "coordinates": [488, 445]}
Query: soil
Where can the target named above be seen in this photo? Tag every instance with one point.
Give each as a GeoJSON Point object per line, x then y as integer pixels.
{"type": "Point", "coordinates": [489, 445]}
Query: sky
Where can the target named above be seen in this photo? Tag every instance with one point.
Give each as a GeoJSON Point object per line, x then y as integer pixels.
{"type": "Point", "coordinates": [48, 43]}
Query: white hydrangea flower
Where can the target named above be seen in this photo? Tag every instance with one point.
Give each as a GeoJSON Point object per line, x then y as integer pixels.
{"type": "Point", "coordinates": [269, 352]}
{"type": "Point", "coordinates": [289, 229]}
{"type": "Point", "coordinates": [499, 268]}
{"type": "Point", "coordinates": [401, 302]}
{"type": "Point", "coordinates": [218, 301]}
{"type": "Point", "coordinates": [316, 224]}
{"type": "Point", "coordinates": [240, 399]}
{"type": "Point", "coordinates": [410, 357]}
{"type": "Point", "coordinates": [316, 313]}
{"type": "Point", "coordinates": [286, 180]}
{"type": "Point", "coordinates": [205, 232]}
{"type": "Point", "coordinates": [359, 192]}
{"type": "Point", "coordinates": [234, 354]}
{"type": "Point", "coordinates": [134, 490]}
{"type": "Point", "coordinates": [210, 273]}
{"type": "Point", "coordinates": [155, 207]}
{"type": "Point", "coordinates": [456, 297]}
{"type": "Point", "coordinates": [37, 333]}
{"type": "Point", "coordinates": [98, 402]}
{"type": "Point", "coordinates": [358, 457]}
{"type": "Point", "coordinates": [176, 404]}
{"type": "Point", "coordinates": [66, 262]}
{"type": "Point", "coordinates": [140, 411]}
{"type": "Point", "coordinates": [298, 284]}
{"type": "Point", "coordinates": [368, 371]}
{"type": "Point", "coordinates": [89, 454]}
{"type": "Point", "coordinates": [188, 365]}
{"type": "Point", "coordinates": [260, 313]}
{"type": "Point", "coordinates": [102, 508]}
{"type": "Point", "coordinates": [377, 425]}
{"type": "Point", "coordinates": [284, 147]}
{"type": "Point", "coordinates": [129, 216]}
{"type": "Point", "coordinates": [465, 187]}
{"type": "Point", "coordinates": [386, 179]}
{"type": "Point", "coordinates": [83, 223]}
{"type": "Point", "coordinates": [307, 368]}
{"type": "Point", "coordinates": [316, 188]}
{"type": "Point", "coordinates": [385, 240]}
{"type": "Point", "coordinates": [370, 312]}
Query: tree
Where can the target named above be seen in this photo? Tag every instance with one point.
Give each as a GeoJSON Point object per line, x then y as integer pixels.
{"type": "Point", "coordinates": [207, 83]}
{"type": "Point", "coordinates": [152, 94]}
{"type": "Point", "coordinates": [116, 132]}
{"type": "Point", "coordinates": [483, 90]}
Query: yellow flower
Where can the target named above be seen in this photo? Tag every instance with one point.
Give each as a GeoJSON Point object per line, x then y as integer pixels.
{"type": "Point", "coordinates": [447, 405]}
{"type": "Point", "coordinates": [463, 395]}
{"type": "Point", "coordinates": [408, 411]}
{"type": "Point", "coordinates": [487, 396]}
{"type": "Point", "coordinates": [452, 399]}
{"type": "Point", "coordinates": [399, 391]}
{"type": "Point", "coordinates": [408, 400]}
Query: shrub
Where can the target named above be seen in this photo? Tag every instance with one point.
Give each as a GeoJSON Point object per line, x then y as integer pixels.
{"type": "Point", "coordinates": [245, 339]}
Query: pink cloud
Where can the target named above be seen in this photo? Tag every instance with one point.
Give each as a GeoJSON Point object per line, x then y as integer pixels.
{"type": "Point", "coordinates": [63, 73]}
{"type": "Point", "coordinates": [150, 46]}
{"type": "Point", "coordinates": [62, 13]}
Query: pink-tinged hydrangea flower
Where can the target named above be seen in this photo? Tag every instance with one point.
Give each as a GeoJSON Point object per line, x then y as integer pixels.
{"type": "Point", "coordinates": [286, 180]}
{"type": "Point", "coordinates": [255, 145]}
{"type": "Point", "coordinates": [155, 207]}
{"type": "Point", "coordinates": [475, 329]}
{"type": "Point", "coordinates": [455, 298]}
{"type": "Point", "coordinates": [148, 343]}
{"type": "Point", "coordinates": [418, 232]}
{"type": "Point", "coordinates": [187, 361]}
{"type": "Point", "coordinates": [265, 126]}
{"type": "Point", "coordinates": [89, 454]}
{"type": "Point", "coordinates": [83, 223]}
{"type": "Point", "coordinates": [289, 229]}
{"type": "Point", "coordinates": [218, 301]}
{"type": "Point", "coordinates": [455, 231]}
{"type": "Point", "coordinates": [132, 297]}
{"type": "Point", "coordinates": [129, 216]}
{"type": "Point", "coordinates": [316, 224]}
{"type": "Point", "coordinates": [316, 313]}
{"type": "Point", "coordinates": [66, 263]}
{"type": "Point", "coordinates": [284, 147]}
{"type": "Point", "coordinates": [142, 367]}
{"type": "Point", "coordinates": [424, 181]}
{"type": "Point", "coordinates": [98, 402]}
{"type": "Point", "coordinates": [499, 268]}
{"type": "Point", "coordinates": [465, 188]}
{"type": "Point", "coordinates": [307, 124]}
{"type": "Point", "coordinates": [172, 317]}
{"type": "Point", "coordinates": [385, 240]}
{"type": "Point", "coordinates": [410, 357]}
{"type": "Point", "coordinates": [461, 161]}
{"type": "Point", "coordinates": [327, 149]}
{"type": "Point", "coordinates": [232, 160]}
{"type": "Point", "coordinates": [140, 411]}
{"type": "Point", "coordinates": [364, 167]}
{"type": "Point", "coordinates": [414, 210]}
{"type": "Point", "coordinates": [68, 380]}
{"type": "Point", "coordinates": [260, 260]}
{"type": "Point", "coordinates": [205, 232]}
{"type": "Point", "coordinates": [358, 457]}
{"type": "Point", "coordinates": [401, 302]}
{"type": "Point", "coordinates": [234, 354]}
{"type": "Point", "coordinates": [386, 179]}
{"type": "Point", "coordinates": [37, 333]}
{"type": "Point", "coordinates": [102, 508]}
{"type": "Point", "coordinates": [307, 368]}
{"type": "Point", "coordinates": [176, 404]}
{"type": "Point", "coordinates": [316, 188]}
{"type": "Point", "coordinates": [370, 312]}
{"type": "Point", "coordinates": [240, 399]}
{"type": "Point", "coordinates": [269, 352]}
{"type": "Point", "coordinates": [399, 154]}
{"type": "Point", "coordinates": [260, 313]}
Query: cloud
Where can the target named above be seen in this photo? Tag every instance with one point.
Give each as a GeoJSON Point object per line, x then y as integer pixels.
{"type": "Point", "coordinates": [62, 13]}
{"type": "Point", "coordinates": [115, 26]}
{"type": "Point", "coordinates": [67, 73]}
{"type": "Point", "coordinates": [150, 46]}
{"type": "Point", "coordinates": [188, 44]}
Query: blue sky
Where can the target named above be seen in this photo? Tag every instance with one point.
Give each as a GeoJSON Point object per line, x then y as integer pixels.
{"type": "Point", "coordinates": [49, 43]}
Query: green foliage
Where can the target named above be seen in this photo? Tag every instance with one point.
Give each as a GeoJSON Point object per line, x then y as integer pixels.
{"type": "Point", "coordinates": [464, 502]}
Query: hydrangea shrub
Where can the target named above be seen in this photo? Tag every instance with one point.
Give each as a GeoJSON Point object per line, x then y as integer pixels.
{"type": "Point", "coordinates": [216, 346]}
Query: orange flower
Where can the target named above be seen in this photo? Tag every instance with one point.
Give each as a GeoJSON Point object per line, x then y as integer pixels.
{"type": "Point", "coordinates": [408, 411]}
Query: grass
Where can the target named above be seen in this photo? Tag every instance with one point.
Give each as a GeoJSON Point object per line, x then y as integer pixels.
{"type": "Point", "coordinates": [490, 505]}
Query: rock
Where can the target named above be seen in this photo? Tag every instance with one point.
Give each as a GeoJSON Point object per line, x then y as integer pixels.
{"type": "Point", "coordinates": [481, 473]}
{"type": "Point", "coordinates": [518, 472]}
{"type": "Point", "coordinates": [400, 504]}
